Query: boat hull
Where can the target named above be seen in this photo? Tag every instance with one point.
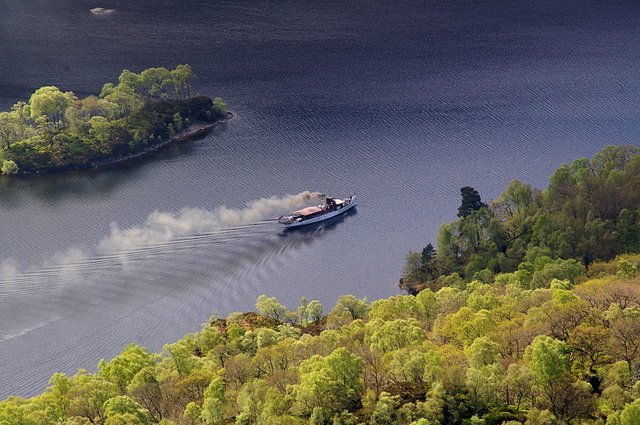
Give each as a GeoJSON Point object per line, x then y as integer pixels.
{"type": "Point", "coordinates": [322, 217]}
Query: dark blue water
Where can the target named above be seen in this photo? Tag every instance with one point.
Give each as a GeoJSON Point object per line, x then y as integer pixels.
{"type": "Point", "coordinates": [401, 103]}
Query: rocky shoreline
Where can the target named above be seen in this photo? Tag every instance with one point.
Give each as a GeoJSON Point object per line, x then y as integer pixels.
{"type": "Point", "coordinates": [194, 131]}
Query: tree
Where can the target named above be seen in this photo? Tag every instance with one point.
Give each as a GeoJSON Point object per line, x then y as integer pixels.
{"type": "Point", "coordinates": [309, 312]}
{"type": "Point", "coordinates": [470, 201]}
{"type": "Point", "coordinates": [81, 111]}
{"type": "Point", "coordinates": [9, 167]}
{"type": "Point", "coordinates": [386, 409]}
{"type": "Point", "coordinates": [51, 103]}
{"type": "Point", "coordinates": [347, 309]}
{"type": "Point", "coordinates": [122, 368]}
{"type": "Point", "coordinates": [548, 358]}
{"type": "Point", "coordinates": [413, 264]}
{"type": "Point", "coordinates": [145, 389]}
{"type": "Point", "coordinates": [516, 386]}
{"type": "Point", "coordinates": [333, 383]}
{"type": "Point", "coordinates": [9, 128]}
{"type": "Point", "coordinates": [482, 352]}
{"type": "Point", "coordinates": [589, 343]}
{"type": "Point", "coordinates": [88, 394]}
{"type": "Point", "coordinates": [156, 81]}
{"type": "Point", "coordinates": [625, 337]}
{"type": "Point", "coordinates": [57, 396]}
{"type": "Point", "coordinates": [181, 77]}
{"type": "Point", "coordinates": [214, 403]}
{"type": "Point", "coordinates": [408, 365]}
{"type": "Point", "coordinates": [125, 102]}
{"type": "Point", "coordinates": [631, 414]}
{"type": "Point", "coordinates": [123, 405]}
{"type": "Point", "coordinates": [390, 336]}
{"type": "Point", "coordinates": [219, 108]}
{"type": "Point", "coordinates": [483, 384]}
{"type": "Point", "coordinates": [270, 307]}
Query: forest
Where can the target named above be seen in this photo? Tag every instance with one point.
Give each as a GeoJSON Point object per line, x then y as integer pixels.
{"type": "Point", "coordinates": [589, 212]}
{"type": "Point", "coordinates": [55, 130]}
{"type": "Point", "coordinates": [552, 340]}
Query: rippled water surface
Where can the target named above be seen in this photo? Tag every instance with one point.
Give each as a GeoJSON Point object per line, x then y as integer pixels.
{"type": "Point", "coordinates": [400, 102]}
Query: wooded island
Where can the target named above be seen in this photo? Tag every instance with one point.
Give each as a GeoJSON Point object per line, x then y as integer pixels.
{"type": "Point", "coordinates": [55, 130]}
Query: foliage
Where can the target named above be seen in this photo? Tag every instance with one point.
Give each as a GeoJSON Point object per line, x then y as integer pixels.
{"type": "Point", "coordinates": [548, 342]}
{"type": "Point", "coordinates": [530, 356]}
{"type": "Point", "coordinates": [589, 213]}
{"type": "Point", "coordinates": [56, 130]}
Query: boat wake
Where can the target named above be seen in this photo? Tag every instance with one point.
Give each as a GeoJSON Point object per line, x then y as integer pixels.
{"type": "Point", "coordinates": [150, 283]}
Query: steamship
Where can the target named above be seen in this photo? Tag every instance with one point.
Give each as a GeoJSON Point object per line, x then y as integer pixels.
{"type": "Point", "coordinates": [329, 208]}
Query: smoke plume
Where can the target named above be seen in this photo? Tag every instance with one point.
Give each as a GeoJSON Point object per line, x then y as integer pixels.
{"type": "Point", "coordinates": [161, 227]}
{"type": "Point", "coordinates": [157, 230]}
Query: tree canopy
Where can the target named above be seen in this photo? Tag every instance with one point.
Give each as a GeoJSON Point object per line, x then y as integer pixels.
{"type": "Point", "coordinates": [56, 130]}
{"type": "Point", "coordinates": [552, 341]}
{"type": "Point", "coordinates": [589, 212]}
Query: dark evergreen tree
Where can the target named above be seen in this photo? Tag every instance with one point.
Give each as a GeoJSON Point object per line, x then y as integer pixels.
{"type": "Point", "coordinates": [470, 201]}
{"type": "Point", "coordinates": [428, 254]}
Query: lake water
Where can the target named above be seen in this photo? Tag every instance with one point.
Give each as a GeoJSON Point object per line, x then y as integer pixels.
{"type": "Point", "coordinates": [400, 102]}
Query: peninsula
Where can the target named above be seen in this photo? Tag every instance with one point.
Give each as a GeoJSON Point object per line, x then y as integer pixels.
{"type": "Point", "coordinates": [57, 131]}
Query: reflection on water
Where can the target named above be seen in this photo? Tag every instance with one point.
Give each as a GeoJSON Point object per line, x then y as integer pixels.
{"type": "Point", "coordinates": [57, 188]}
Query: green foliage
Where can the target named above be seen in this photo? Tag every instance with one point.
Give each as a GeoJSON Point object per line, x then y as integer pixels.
{"type": "Point", "coordinates": [333, 383]}
{"type": "Point", "coordinates": [590, 211]}
{"type": "Point", "coordinates": [548, 358]}
{"type": "Point", "coordinates": [219, 108]}
{"type": "Point", "coordinates": [427, 359]}
{"type": "Point", "coordinates": [214, 403]}
{"type": "Point", "coordinates": [122, 368]}
{"type": "Point", "coordinates": [482, 352]}
{"type": "Point", "coordinates": [390, 336]}
{"type": "Point", "coordinates": [123, 405]}
{"type": "Point", "coordinates": [354, 307]}
{"type": "Point", "coordinates": [631, 414]}
{"type": "Point", "coordinates": [9, 167]}
{"type": "Point", "coordinates": [270, 307]}
{"type": "Point", "coordinates": [55, 130]}
{"type": "Point", "coordinates": [50, 103]}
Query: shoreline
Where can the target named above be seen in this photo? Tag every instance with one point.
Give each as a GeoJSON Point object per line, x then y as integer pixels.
{"type": "Point", "coordinates": [194, 131]}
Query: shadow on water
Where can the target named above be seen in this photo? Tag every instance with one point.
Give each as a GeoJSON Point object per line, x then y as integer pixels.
{"type": "Point", "coordinates": [55, 188]}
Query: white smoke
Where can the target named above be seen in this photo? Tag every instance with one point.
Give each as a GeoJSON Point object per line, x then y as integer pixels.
{"type": "Point", "coordinates": [158, 229]}
{"type": "Point", "coordinates": [161, 227]}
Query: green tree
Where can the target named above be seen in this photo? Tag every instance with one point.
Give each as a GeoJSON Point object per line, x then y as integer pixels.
{"type": "Point", "coordinates": [333, 383]}
{"type": "Point", "coordinates": [214, 404]}
{"type": "Point", "coordinates": [547, 358]}
{"type": "Point", "coordinates": [124, 405]}
{"type": "Point", "coordinates": [88, 394]}
{"type": "Point", "coordinates": [386, 409]}
{"type": "Point", "coordinates": [482, 352]}
{"type": "Point", "coordinates": [145, 389]}
{"type": "Point", "coordinates": [631, 414]}
{"type": "Point", "coordinates": [390, 336]}
{"type": "Point", "coordinates": [270, 307]}
{"type": "Point", "coordinates": [122, 368]}
{"type": "Point", "coordinates": [9, 167]}
{"type": "Point", "coordinates": [219, 108]}
{"type": "Point", "coordinates": [355, 307]}
{"type": "Point", "coordinates": [51, 103]}
{"type": "Point", "coordinates": [9, 128]}
{"type": "Point", "coordinates": [181, 79]}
